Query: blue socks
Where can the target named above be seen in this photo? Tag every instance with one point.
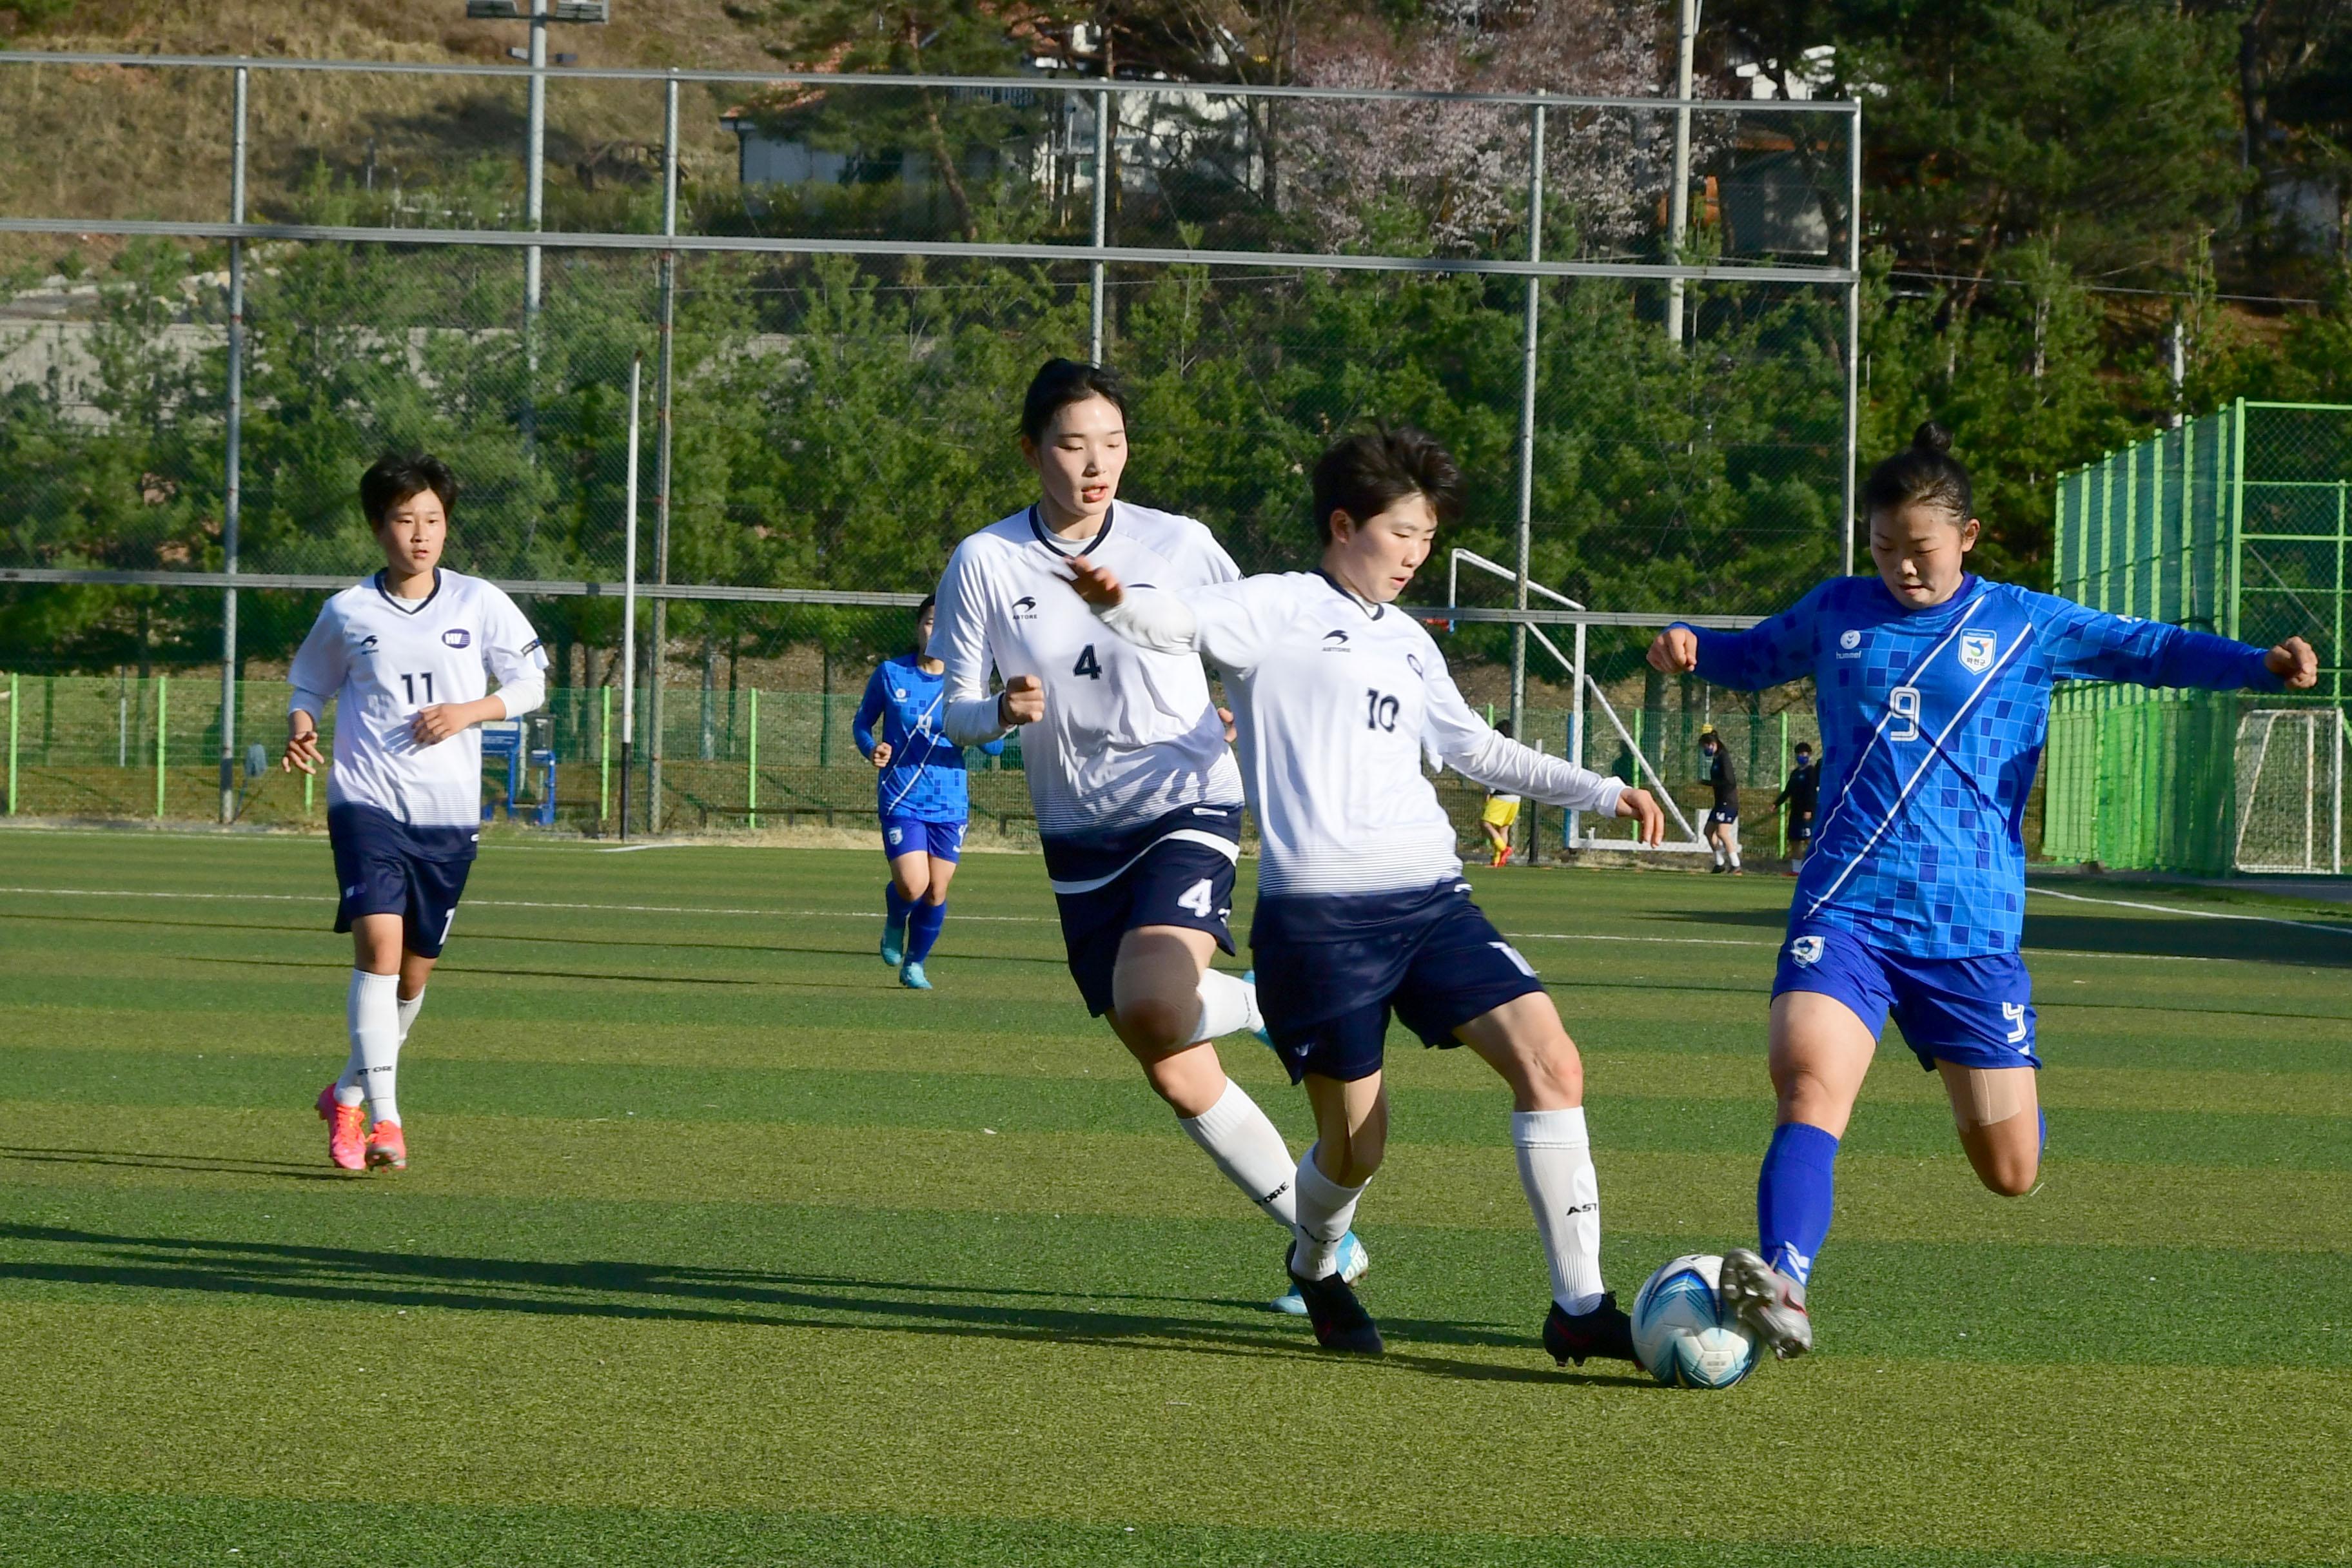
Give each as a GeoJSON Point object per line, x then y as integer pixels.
{"type": "Point", "coordinates": [1793, 1197]}
{"type": "Point", "coordinates": [923, 929]}
{"type": "Point", "coordinates": [896, 908]}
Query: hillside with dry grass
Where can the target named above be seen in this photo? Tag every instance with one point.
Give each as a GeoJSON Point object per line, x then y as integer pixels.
{"type": "Point", "coordinates": [116, 141]}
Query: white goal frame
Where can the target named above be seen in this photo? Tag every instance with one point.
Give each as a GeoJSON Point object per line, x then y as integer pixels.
{"type": "Point", "coordinates": [2324, 744]}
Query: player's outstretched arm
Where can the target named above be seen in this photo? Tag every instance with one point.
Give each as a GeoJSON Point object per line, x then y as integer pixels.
{"type": "Point", "coordinates": [1675, 651]}
{"type": "Point", "coordinates": [2092, 644]}
{"type": "Point", "coordinates": [2295, 665]}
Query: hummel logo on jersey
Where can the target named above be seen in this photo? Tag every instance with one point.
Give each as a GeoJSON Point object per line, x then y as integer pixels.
{"type": "Point", "coordinates": [456, 636]}
{"type": "Point", "coordinates": [1024, 609]}
{"type": "Point", "coordinates": [1806, 950]}
{"type": "Point", "coordinates": [1849, 641]}
{"type": "Point", "coordinates": [1975, 651]}
{"type": "Point", "coordinates": [1335, 641]}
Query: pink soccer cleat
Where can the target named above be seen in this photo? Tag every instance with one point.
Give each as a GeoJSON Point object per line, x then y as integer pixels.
{"type": "Point", "coordinates": [346, 1130]}
{"type": "Point", "coordinates": [387, 1147]}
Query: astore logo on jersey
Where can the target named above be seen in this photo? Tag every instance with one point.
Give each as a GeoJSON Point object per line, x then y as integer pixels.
{"type": "Point", "coordinates": [1024, 609]}
{"type": "Point", "coordinates": [1335, 641]}
{"type": "Point", "coordinates": [458, 637]}
{"type": "Point", "coordinates": [367, 644]}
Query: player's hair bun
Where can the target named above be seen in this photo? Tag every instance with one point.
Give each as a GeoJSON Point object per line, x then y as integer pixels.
{"type": "Point", "coordinates": [1931, 437]}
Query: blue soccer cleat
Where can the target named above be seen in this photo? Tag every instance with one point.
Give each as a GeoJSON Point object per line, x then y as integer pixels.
{"type": "Point", "coordinates": [1353, 1261]}
{"type": "Point", "coordinates": [894, 943]}
{"type": "Point", "coordinates": [912, 977]}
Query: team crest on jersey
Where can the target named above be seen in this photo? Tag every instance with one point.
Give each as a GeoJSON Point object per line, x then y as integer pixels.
{"type": "Point", "coordinates": [456, 636]}
{"type": "Point", "coordinates": [1024, 609]}
{"type": "Point", "coordinates": [1806, 950]}
{"type": "Point", "coordinates": [1975, 651]}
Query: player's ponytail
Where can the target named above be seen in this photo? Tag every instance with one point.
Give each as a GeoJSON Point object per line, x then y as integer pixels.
{"type": "Point", "coordinates": [1925, 473]}
{"type": "Point", "coordinates": [929, 600]}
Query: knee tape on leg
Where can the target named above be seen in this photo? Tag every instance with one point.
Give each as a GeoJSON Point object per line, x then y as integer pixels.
{"type": "Point", "coordinates": [1993, 1096]}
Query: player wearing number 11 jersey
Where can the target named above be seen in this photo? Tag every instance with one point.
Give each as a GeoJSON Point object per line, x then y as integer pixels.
{"type": "Point", "coordinates": [1933, 688]}
{"type": "Point", "coordinates": [406, 658]}
{"type": "Point", "coordinates": [1137, 796]}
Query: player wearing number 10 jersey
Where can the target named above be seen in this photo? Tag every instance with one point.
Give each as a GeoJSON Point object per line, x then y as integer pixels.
{"type": "Point", "coordinates": [405, 658]}
{"type": "Point", "coordinates": [1362, 911]}
{"type": "Point", "coordinates": [1933, 688]}
{"type": "Point", "coordinates": [1137, 796]}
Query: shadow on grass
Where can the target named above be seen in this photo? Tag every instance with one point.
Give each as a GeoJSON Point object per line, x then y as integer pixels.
{"type": "Point", "coordinates": [2153, 936]}
{"type": "Point", "coordinates": [135, 1159]}
{"type": "Point", "coordinates": [671, 1293]}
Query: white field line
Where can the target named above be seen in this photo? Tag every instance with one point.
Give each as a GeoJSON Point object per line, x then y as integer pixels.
{"type": "Point", "coordinates": [2197, 914]}
{"type": "Point", "coordinates": [1041, 920]}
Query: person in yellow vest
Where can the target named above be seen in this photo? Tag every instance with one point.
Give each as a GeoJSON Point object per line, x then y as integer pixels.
{"type": "Point", "coordinates": [1502, 812]}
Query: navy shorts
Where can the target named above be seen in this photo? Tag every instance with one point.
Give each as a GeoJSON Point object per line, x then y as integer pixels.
{"type": "Point", "coordinates": [1175, 872]}
{"type": "Point", "coordinates": [1972, 1012]}
{"type": "Point", "coordinates": [911, 836]}
{"type": "Point", "coordinates": [1801, 826]}
{"type": "Point", "coordinates": [386, 867]}
{"type": "Point", "coordinates": [1331, 970]}
{"type": "Point", "coordinates": [1728, 816]}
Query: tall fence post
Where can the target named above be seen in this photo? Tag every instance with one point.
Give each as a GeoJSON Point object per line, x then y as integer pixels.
{"type": "Point", "coordinates": [162, 733]}
{"type": "Point", "coordinates": [14, 703]}
{"type": "Point", "coordinates": [751, 768]}
{"type": "Point", "coordinates": [1678, 196]}
{"type": "Point", "coordinates": [605, 759]}
{"type": "Point", "coordinates": [658, 677]}
{"type": "Point", "coordinates": [2237, 483]}
{"type": "Point", "coordinates": [1102, 222]}
{"type": "Point", "coordinates": [1784, 781]}
{"type": "Point", "coordinates": [1527, 423]}
{"type": "Point", "coordinates": [232, 486]}
{"type": "Point", "coordinates": [1853, 333]}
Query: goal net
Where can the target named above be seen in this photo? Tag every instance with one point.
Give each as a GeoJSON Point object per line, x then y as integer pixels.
{"type": "Point", "coordinates": [2291, 765]}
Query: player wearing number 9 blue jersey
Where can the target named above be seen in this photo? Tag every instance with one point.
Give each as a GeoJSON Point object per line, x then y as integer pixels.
{"type": "Point", "coordinates": [1933, 691]}
{"type": "Point", "coordinates": [1137, 797]}
{"type": "Point", "coordinates": [1362, 910]}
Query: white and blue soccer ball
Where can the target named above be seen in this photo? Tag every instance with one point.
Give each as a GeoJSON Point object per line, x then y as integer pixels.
{"type": "Point", "coordinates": [1683, 1333]}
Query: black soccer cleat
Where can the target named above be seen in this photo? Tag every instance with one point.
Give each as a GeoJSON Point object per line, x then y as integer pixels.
{"type": "Point", "coordinates": [1339, 1321]}
{"type": "Point", "coordinates": [1602, 1332]}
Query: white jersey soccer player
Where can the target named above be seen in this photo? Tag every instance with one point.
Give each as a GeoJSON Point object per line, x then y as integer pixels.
{"type": "Point", "coordinates": [1362, 911]}
{"type": "Point", "coordinates": [1138, 800]}
{"type": "Point", "coordinates": [407, 658]}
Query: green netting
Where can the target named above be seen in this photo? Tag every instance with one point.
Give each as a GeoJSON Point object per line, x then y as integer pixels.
{"type": "Point", "coordinates": [2234, 524]}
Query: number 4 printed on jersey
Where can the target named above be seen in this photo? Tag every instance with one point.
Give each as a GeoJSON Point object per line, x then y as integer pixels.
{"type": "Point", "coordinates": [1200, 899]}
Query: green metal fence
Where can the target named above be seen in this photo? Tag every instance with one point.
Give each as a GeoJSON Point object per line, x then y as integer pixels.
{"type": "Point", "coordinates": [2235, 524]}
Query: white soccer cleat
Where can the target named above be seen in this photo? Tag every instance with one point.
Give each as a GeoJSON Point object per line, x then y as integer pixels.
{"type": "Point", "coordinates": [1353, 1263]}
{"type": "Point", "coordinates": [1771, 1304]}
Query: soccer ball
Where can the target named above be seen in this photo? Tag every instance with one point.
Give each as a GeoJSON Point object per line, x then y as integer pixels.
{"type": "Point", "coordinates": [1684, 1333]}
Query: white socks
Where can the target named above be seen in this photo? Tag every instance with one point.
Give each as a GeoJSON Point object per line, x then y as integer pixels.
{"type": "Point", "coordinates": [373, 1012]}
{"type": "Point", "coordinates": [1326, 1211]}
{"type": "Point", "coordinates": [1556, 1168]}
{"type": "Point", "coordinates": [1247, 1148]}
{"type": "Point", "coordinates": [351, 1088]}
{"type": "Point", "coordinates": [1228, 1005]}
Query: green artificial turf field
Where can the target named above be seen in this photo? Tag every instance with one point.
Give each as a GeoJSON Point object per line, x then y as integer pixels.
{"type": "Point", "coordinates": [716, 1246]}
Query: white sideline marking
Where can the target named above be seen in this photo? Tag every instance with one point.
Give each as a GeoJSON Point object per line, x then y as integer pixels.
{"type": "Point", "coordinates": [2198, 914]}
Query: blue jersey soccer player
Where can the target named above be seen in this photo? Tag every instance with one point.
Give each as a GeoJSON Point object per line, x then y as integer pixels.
{"type": "Point", "coordinates": [1933, 691]}
{"type": "Point", "coordinates": [1362, 912]}
{"type": "Point", "coordinates": [406, 656]}
{"type": "Point", "coordinates": [1138, 804]}
{"type": "Point", "coordinates": [922, 798]}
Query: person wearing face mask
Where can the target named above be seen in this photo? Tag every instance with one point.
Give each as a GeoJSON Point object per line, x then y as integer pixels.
{"type": "Point", "coordinates": [1362, 910]}
{"type": "Point", "coordinates": [1137, 801]}
{"type": "Point", "coordinates": [1932, 687]}
{"type": "Point", "coordinates": [921, 793]}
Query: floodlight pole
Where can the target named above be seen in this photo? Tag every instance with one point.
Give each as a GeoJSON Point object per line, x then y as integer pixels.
{"type": "Point", "coordinates": [1528, 424]}
{"type": "Point", "coordinates": [1102, 220]}
{"type": "Point", "coordinates": [661, 458]}
{"type": "Point", "coordinates": [1678, 196]}
{"type": "Point", "coordinates": [232, 487]}
{"type": "Point", "coordinates": [629, 604]}
{"type": "Point", "coordinates": [1852, 329]}
{"type": "Point", "coordinates": [534, 174]}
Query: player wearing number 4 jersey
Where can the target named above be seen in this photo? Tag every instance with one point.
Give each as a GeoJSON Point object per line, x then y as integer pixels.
{"type": "Point", "coordinates": [405, 657]}
{"type": "Point", "coordinates": [1933, 688]}
{"type": "Point", "coordinates": [1362, 910]}
{"type": "Point", "coordinates": [1137, 797]}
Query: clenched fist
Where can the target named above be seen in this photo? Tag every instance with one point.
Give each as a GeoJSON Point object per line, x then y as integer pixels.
{"type": "Point", "coordinates": [1023, 701]}
{"type": "Point", "coordinates": [1676, 651]}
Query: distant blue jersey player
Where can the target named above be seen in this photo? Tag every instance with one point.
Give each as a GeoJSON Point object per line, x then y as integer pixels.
{"type": "Point", "coordinates": [922, 796]}
{"type": "Point", "coordinates": [1933, 691]}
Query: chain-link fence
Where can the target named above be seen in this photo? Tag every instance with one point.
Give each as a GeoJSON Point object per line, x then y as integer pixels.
{"type": "Point", "coordinates": [838, 287]}
{"type": "Point", "coordinates": [2235, 524]}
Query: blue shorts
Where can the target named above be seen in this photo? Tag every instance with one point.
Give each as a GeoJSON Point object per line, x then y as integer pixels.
{"type": "Point", "coordinates": [386, 867]}
{"type": "Point", "coordinates": [1177, 870]}
{"type": "Point", "coordinates": [1331, 970]}
{"type": "Point", "coordinates": [1970, 1012]}
{"type": "Point", "coordinates": [911, 836]}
